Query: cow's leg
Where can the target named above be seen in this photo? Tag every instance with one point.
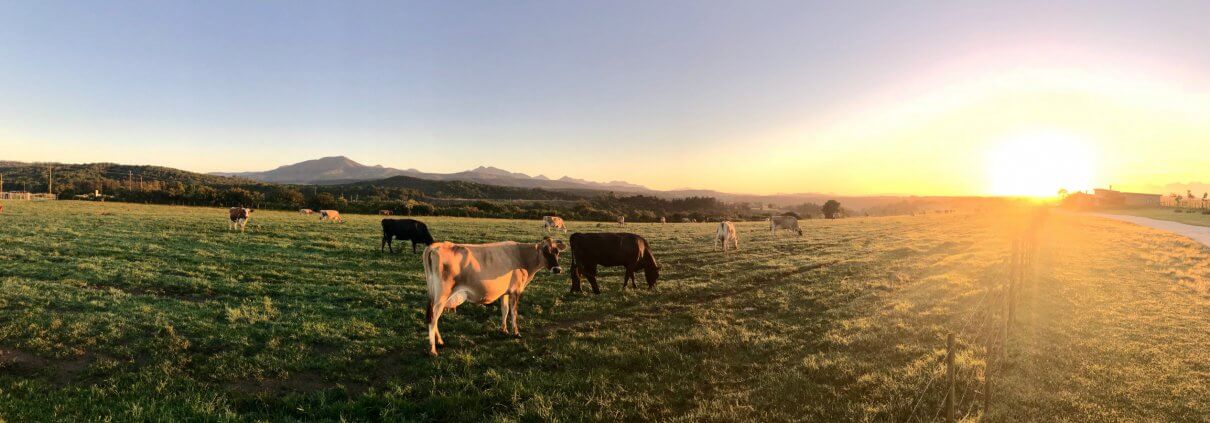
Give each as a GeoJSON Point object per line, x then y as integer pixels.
{"type": "Point", "coordinates": [591, 273]}
{"type": "Point", "coordinates": [736, 241]}
{"type": "Point", "coordinates": [385, 244]}
{"type": "Point", "coordinates": [516, 299]}
{"type": "Point", "coordinates": [435, 309]}
{"type": "Point", "coordinates": [413, 246]}
{"type": "Point", "coordinates": [576, 274]}
{"type": "Point", "coordinates": [504, 304]}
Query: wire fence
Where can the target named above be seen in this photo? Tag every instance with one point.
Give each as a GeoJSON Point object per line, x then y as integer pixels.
{"type": "Point", "coordinates": [987, 324]}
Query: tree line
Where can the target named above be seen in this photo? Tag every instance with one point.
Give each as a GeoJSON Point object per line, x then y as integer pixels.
{"type": "Point", "coordinates": [401, 195]}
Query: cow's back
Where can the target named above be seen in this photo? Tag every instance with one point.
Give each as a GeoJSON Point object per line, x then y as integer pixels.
{"type": "Point", "coordinates": [608, 249]}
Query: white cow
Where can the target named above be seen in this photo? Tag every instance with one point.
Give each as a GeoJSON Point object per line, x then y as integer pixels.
{"type": "Point", "coordinates": [553, 222]}
{"type": "Point", "coordinates": [784, 222]}
{"type": "Point", "coordinates": [621, 220]}
{"type": "Point", "coordinates": [726, 233]}
{"type": "Point", "coordinates": [483, 273]}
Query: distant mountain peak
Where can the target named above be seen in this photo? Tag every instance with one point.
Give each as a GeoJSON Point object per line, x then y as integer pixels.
{"type": "Point", "coordinates": [339, 169]}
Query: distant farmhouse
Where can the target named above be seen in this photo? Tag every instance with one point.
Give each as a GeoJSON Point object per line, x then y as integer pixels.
{"type": "Point", "coordinates": [1109, 197]}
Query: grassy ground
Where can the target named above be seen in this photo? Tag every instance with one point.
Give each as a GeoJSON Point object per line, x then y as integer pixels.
{"type": "Point", "coordinates": [129, 312]}
{"type": "Point", "coordinates": [1191, 217]}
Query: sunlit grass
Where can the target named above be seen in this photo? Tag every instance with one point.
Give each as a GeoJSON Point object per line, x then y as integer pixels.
{"type": "Point", "coordinates": [160, 313]}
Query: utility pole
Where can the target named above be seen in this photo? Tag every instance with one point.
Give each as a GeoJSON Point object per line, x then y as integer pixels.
{"type": "Point", "coordinates": [130, 180]}
{"type": "Point", "coordinates": [1, 182]}
{"type": "Point", "coordinates": [50, 180]}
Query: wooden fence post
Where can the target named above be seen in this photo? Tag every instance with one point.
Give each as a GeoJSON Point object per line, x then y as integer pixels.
{"type": "Point", "coordinates": [949, 378]}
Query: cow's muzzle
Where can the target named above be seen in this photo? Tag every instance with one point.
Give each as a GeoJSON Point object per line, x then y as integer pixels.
{"type": "Point", "coordinates": [556, 270]}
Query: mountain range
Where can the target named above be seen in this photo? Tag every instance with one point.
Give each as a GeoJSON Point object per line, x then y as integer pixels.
{"type": "Point", "coordinates": [341, 170]}
{"type": "Point", "coordinates": [338, 170]}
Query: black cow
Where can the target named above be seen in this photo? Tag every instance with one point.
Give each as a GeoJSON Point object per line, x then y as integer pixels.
{"type": "Point", "coordinates": [404, 230]}
{"type": "Point", "coordinates": [630, 251]}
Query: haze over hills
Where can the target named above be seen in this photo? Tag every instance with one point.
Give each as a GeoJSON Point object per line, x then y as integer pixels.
{"type": "Point", "coordinates": [340, 169]}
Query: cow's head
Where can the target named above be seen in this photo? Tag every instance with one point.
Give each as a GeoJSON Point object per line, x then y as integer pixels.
{"type": "Point", "coordinates": [549, 248]}
{"type": "Point", "coordinates": [652, 272]}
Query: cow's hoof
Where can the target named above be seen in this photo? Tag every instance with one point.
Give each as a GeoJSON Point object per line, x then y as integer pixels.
{"type": "Point", "coordinates": [433, 352]}
{"type": "Point", "coordinates": [516, 334]}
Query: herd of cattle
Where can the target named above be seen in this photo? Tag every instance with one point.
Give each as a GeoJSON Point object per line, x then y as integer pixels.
{"type": "Point", "coordinates": [484, 273]}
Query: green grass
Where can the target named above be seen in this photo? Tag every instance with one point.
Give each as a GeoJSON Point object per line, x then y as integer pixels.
{"type": "Point", "coordinates": [129, 312]}
{"type": "Point", "coordinates": [1187, 216]}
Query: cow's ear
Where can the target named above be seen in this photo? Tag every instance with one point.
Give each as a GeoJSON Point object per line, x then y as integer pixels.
{"type": "Point", "coordinates": [560, 245]}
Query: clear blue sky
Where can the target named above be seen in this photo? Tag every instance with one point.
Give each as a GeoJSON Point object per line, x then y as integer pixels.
{"type": "Point", "coordinates": [646, 91]}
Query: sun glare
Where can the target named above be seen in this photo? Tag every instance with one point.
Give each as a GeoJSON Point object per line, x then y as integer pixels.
{"type": "Point", "coordinates": [1038, 164]}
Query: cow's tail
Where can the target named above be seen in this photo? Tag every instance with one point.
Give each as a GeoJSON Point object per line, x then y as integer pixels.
{"type": "Point", "coordinates": [432, 275]}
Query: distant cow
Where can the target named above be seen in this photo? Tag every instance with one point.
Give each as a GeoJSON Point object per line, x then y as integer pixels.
{"type": "Point", "coordinates": [384, 212]}
{"type": "Point", "coordinates": [239, 217]}
{"type": "Point", "coordinates": [553, 222]}
{"type": "Point", "coordinates": [404, 230]}
{"type": "Point", "coordinates": [621, 220]}
{"type": "Point", "coordinates": [483, 273]}
{"type": "Point", "coordinates": [663, 220]}
{"type": "Point", "coordinates": [726, 233]}
{"type": "Point", "coordinates": [784, 222]}
{"type": "Point", "coordinates": [332, 215]}
{"type": "Point", "coordinates": [611, 249]}
{"type": "Point", "coordinates": [306, 211]}
{"type": "Point", "coordinates": [684, 220]}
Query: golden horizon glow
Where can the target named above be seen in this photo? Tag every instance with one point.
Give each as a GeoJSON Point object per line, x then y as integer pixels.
{"type": "Point", "coordinates": [1076, 128]}
{"type": "Point", "coordinates": [1039, 164]}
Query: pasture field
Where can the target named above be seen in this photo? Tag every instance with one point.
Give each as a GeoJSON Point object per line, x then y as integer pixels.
{"type": "Point", "coordinates": [129, 312]}
{"type": "Point", "coordinates": [1189, 217]}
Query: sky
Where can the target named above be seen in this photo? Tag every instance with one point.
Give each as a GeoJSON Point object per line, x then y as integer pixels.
{"type": "Point", "coordinates": [853, 97]}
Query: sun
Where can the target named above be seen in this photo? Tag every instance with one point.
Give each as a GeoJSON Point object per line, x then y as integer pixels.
{"type": "Point", "coordinates": [1038, 163]}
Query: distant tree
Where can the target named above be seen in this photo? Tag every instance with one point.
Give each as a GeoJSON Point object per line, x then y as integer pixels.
{"type": "Point", "coordinates": [1062, 192]}
{"type": "Point", "coordinates": [324, 201]}
{"type": "Point", "coordinates": [287, 197]}
{"type": "Point", "coordinates": [1189, 193]}
{"type": "Point", "coordinates": [831, 209]}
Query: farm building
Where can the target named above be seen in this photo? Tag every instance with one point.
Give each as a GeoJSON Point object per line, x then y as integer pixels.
{"type": "Point", "coordinates": [22, 195]}
{"type": "Point", "coordinates": [1108, 197]}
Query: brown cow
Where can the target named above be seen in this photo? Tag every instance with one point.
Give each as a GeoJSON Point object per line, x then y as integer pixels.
{"type": "Point", "coordinates": [384, 212]}
{"type": "Point", "coordinates": [630, 251]}
{"type": "Point", "coordinates": [553, 222]}
{"type": "Point", "coordinates": [483, 273]}
{"type": "Point", "coordinates": [239, 217]}
{"type": "Point", "coordinates": [306, 211]}
{"type": "Point", "coordinates": [332, 215]}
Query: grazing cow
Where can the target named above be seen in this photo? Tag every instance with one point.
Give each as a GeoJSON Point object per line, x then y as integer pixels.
{"type": "Point", "coordinates": [784, 222]}
{"type": "Point", "coordinates": [404, 230]}
{"type": "Point", "coordinates": [611, 249]}
{"type": "Point", "coordinates": [684, 220]}
{"type": "Point", "coordinates": [239, 217]}
{"type": "Point", "coordinates": [726, 233]}
{"type": "Point", "coordinates": [332, 215]}
{"type": "Point", "coordinates": [483, 273]}
{"type": "Point", "coordinates": [553, 222]}
{"type": "Point", "coordinates": [384, 212]}
{"type": "Point", "coordinates": [663, 220]}
{"type": "Point", "coordinates": [621, 220]}
{"type": "Point", "coordinates": [306, 211]}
